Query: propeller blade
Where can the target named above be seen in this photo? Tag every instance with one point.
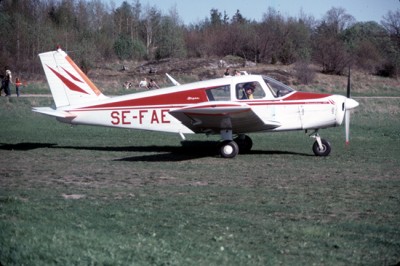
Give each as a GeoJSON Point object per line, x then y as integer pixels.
{"type": "Point", "coordinates": [349, 104]}
{"type": "Point", "coordinates": [348, 94]}
{"type": "Point", "coordinates": [347, 127]}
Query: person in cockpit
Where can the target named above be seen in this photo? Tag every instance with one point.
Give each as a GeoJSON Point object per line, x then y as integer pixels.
{"type": "Point", "coordinates": [248, 90]}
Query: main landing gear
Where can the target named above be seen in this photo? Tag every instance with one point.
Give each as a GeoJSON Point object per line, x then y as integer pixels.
{"type": "Point", "coordinates": [321, 147]}
{"type": "Point", "coordinates": [230, 147]}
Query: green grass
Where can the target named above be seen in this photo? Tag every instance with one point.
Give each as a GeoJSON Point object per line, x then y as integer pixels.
{"type": "Point", "coordinates": [91, 195]}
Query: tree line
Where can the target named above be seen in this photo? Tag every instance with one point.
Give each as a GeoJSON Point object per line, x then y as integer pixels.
{"type": "Point", "coordinates": [95, 31]}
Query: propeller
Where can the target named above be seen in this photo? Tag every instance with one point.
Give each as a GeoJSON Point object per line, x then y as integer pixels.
{"type": "Point", "coordinates": [349, 104]}
{"type": "Point", "coordinates": [347, 118]}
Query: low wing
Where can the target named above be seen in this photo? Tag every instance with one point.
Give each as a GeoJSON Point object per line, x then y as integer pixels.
{"type": "Point", "coordinates": [212, 117]}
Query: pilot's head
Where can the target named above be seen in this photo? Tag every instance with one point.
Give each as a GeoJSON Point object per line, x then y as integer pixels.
{"type": "Point", "coordinates": [249, 87]}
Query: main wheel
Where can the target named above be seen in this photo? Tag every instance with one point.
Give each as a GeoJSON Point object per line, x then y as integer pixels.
{"type": "Point", "coordinates": [326, 148]}
{"type": "Point", "coordinates": [228, 149]}
{"type": "Point", "coordinates": [245, 143]}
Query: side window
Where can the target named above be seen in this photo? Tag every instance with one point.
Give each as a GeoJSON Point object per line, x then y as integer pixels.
{"type": "Point", "coordinates": [222, 93]}
{"type": "Point", "coordinates": [249, 90]}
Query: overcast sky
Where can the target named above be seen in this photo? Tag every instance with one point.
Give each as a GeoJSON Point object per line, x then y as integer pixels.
{"type": "Point", "coordinates": [193, 11]}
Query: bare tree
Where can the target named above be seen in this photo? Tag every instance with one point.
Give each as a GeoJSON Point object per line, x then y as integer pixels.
{"type": "Point", "coordinates": [391, 22]}
{"type": "Point", "coordinates": [170, 41]}
{"type": "Point", "coordinates": [329, 49]}
{"type": "Point", "coordinates": [338, 20]}
{"type": "Point", "coordinates": [270, 31]}
{"type": "Point", "coordinates": [151, 24]}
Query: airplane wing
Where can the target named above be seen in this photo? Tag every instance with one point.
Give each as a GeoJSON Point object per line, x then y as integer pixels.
{"type": "Point", "coordinates": [212, 117]}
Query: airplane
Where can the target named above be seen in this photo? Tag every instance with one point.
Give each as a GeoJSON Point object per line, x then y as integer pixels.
{"type": "Point", "coordinates": [231, 107]}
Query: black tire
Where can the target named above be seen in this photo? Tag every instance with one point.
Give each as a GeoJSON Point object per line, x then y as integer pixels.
{"type": "Point", "coordinates": [326, 148]}
{"type": "Point", "coordinates": [228, 149]}
{"type": "Point", "coordinates": [245, 144]}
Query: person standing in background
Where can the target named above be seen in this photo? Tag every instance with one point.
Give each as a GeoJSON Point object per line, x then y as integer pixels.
{"type": "Point", "coordinates": [227, 72]}
{"type": "Point", "coordinates": [2, 84]}
{"type": "Point", "coordinates": [17, 84]}
{"type": "Point", "coordinates": [7, 79]}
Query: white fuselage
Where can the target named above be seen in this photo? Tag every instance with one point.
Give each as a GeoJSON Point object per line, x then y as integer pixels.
{"type": "Point", "coordinates": [150, 110]}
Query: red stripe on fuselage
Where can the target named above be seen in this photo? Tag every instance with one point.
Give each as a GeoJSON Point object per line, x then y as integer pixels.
{"type": "Point", "coordinates": [174, 98]}
{"type": "Point", "coordinates": [288, 103]}
{"type": "Point", "coordinates": [128, 108]}
{"type": "Point", "coordinates": [181, 99]}
{"type": "Point", "coordinates": [298, 96]}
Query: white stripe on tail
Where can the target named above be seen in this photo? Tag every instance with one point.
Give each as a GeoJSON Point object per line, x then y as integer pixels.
{"type": "Point", "coordinates": [68, 84]}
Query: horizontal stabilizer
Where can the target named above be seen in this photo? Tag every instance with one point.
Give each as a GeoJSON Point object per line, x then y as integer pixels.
{"type": "Point", "coordinates": [53, 112]}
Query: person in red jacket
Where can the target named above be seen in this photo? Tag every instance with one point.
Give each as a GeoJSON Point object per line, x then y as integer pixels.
{"type": "Point", "coordinates": [17, 84]}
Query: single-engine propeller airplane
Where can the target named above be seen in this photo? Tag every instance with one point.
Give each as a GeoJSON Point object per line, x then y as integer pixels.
{"type": "Point", "coordinates": [230, 107]}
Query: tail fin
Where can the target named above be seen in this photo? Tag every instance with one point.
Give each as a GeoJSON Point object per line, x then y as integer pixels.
{"type": "Point", "coordinates": [68, 84]}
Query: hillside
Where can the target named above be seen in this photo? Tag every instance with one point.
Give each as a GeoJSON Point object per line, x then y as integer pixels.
{"type": "Point", "coordinates": [111, 78]}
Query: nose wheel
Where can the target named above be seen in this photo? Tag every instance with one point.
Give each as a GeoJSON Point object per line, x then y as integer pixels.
{"type": "Point", "coordinates": [321, 147]}
{"type": "Point", "coordinates": [323, 150]}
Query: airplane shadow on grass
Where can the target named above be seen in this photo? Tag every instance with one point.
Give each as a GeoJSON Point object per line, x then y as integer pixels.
{"type": "Point", "coordinates": [189, 150]}
{"type": "Point", "coordinates": [25, 146]}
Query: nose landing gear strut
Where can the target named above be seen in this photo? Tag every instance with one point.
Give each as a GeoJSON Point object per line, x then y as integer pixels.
{"type": "Point", "coordinates": [321, 147]}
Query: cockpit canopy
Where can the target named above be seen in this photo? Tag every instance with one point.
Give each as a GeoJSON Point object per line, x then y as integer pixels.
{"type": "Point", "coordinates": [268, 89]}
{"type": "Point", "coordinates": [278, 89]}
{"type": "Point", "coordinates": [261, 87]}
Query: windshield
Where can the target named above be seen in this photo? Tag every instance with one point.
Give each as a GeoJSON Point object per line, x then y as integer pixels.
{"type": "Point", "coordinates": [277, 88]}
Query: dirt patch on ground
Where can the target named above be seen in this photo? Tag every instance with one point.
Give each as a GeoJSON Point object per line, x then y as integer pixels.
{"type": "Point", "coordinates": [72, 196]}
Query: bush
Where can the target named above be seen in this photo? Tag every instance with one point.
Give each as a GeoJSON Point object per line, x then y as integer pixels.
{"type": "Point", "coordinates": [139, 49]}
{"type": "Point", "coordinates": [123, 48]}
{"type": "Point", "coordinates": [387, 70]}
{"type": "Point", "coordinates": [304, 73]}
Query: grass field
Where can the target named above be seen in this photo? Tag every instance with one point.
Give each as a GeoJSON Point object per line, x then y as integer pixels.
{"type": "Point", "coordinates": [102, 196]}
